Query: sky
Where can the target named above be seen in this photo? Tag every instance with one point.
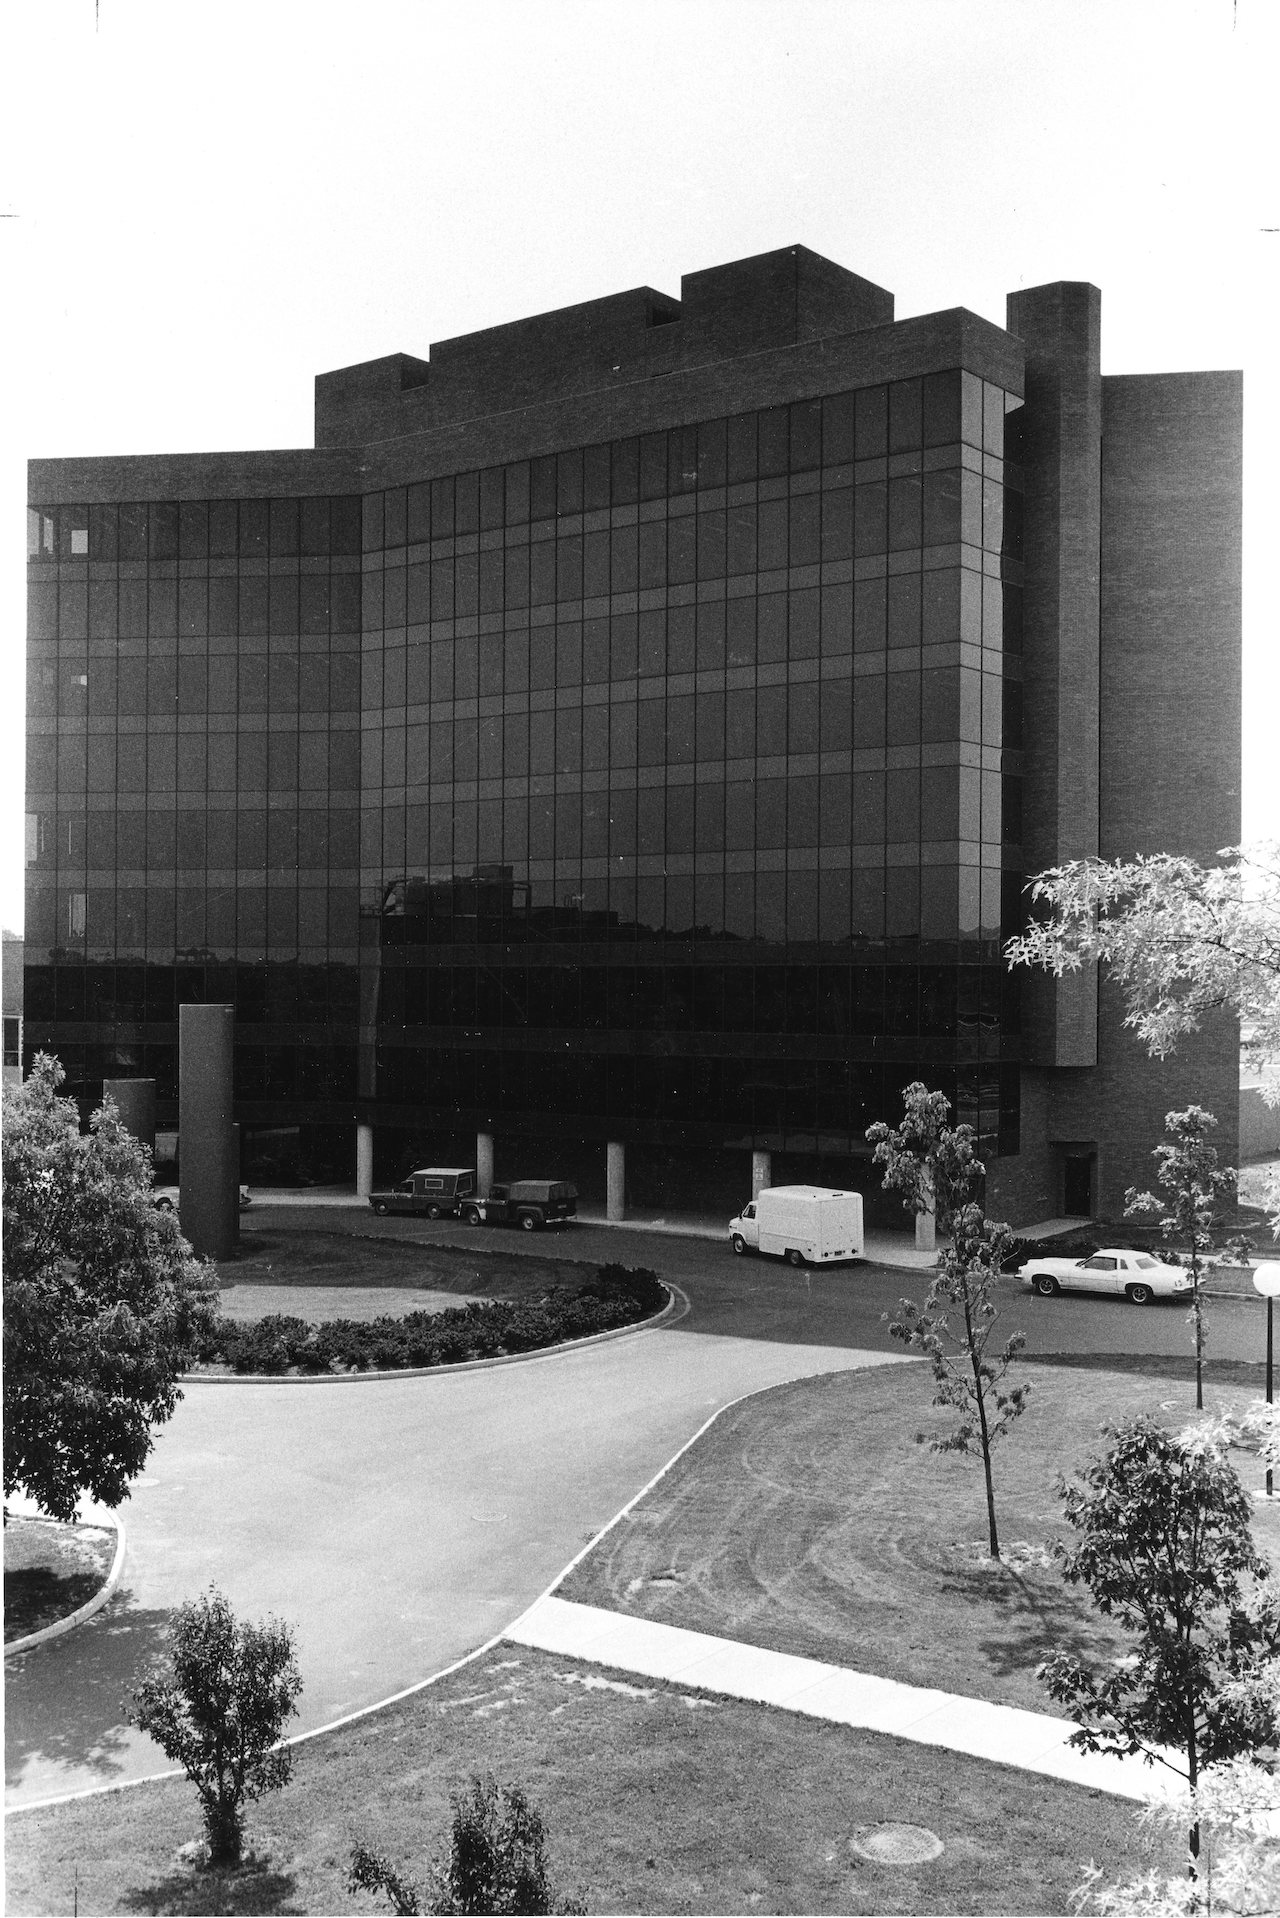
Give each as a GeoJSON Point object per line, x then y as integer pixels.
{"type": "Point", "coordinates": [205, 207]}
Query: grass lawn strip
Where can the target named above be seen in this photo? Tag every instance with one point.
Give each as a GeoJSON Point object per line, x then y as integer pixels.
{"type": "Point", "coordinates": [656, 1799]}
{"type": "Point", "coordinates": [51, 1570]}
{"type": "Point", "coordinates": [271, 1257]}
{"type": "Point", "coordinates": [814, 1519]}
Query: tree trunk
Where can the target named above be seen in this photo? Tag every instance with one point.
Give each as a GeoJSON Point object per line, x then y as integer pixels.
{"type": "Point", "coordinates": [1195, 1306]}
{"type": "Point", "coordinates": [993, 1540]}
{"type": "Point", "coordinates": [225, 1833]}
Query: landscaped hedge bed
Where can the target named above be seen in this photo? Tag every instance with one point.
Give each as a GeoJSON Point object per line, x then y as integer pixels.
{"type": "Point", "coordinates": [616, 1296]}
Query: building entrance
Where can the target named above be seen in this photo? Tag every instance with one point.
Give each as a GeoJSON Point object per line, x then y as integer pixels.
{"type": "Point", "coordinates": [1077, 1185]}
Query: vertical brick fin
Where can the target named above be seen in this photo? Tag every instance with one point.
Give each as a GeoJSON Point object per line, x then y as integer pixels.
{"type": "Point", "coordinates": [1170, 603]}
{"type": "Point", "coordinates": [1060, 326]}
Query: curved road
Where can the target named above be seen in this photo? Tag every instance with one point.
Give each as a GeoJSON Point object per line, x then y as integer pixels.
{"type": "Point", "coordinates": [398, 1523]}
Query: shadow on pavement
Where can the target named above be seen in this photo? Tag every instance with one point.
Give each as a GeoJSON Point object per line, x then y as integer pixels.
{"type": "Point", "coordinates": [66, 1701]}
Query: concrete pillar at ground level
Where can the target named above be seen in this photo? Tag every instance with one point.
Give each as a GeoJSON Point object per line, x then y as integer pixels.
{"type": "Point", "coordinates": [484, 1163]}
{"type": "Point", "coordinates": [135, 1101]}
{"type": "Point", "coordinates": [364, 1161]}
{"type": "Point", "coordinates": [616, 1181]}
{"type": "Point", "coordinates": [208, 1158]}
{"type": "Point", "coordinates": [761, 1172]}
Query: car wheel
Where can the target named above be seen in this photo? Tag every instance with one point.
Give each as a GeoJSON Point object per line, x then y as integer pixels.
{"type": "Point", "coordinates": [794, 1257]}
{"type": "Point", "coordinates": [738, 1243]}
{"type": "Point", "coordinates": [164, 1205]}
{"type": "Point", "coordinates": [1139, 1294]}
{"type": "Point", "coordinates": [381, 1210]}
{"type": "Point", "coordinates": [472, 1215]}
{"type": "Point", "coordinates": [433, 1212]}
{"type": "Point", "coordinates": [1046, 1285]}
{"type": "Point", "coordinates": [529, 1221]}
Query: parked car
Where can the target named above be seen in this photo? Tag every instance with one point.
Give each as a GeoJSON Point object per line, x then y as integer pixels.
{"type": "Point", "coordinates": [1136, 1276]}
{"type": "Point", "coordinates": [166, 1197]}
{"type": "Point", "coordinates": [528, 1203]}
{"type": "Point", "coordinates": [432, 1192]}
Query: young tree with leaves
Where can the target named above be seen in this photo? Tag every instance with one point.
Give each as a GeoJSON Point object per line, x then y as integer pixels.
{"type": "Point", "coordinates": [1187, 1168]}
{"type": "Point", "coordinates": [935, 1167]}
{"type": "Point", "coordinates": [218, 1707]}
{"type": "Point", "coordinates": [103, 1301]}
{"type": "Point", "coordinates": [1237, 1805]}
{"type": "Point", "coordinates": [497, 1860]}
{"type": "Point", "coordinates": [1181, 939]}
{"type": "Point", "coordinates": [1165, 1546]}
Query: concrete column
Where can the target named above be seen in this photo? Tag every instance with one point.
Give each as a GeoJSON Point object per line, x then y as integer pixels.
{"type": "Point", "coordinates": [135, 1101]}
{"type": "Point", "coordinates": [484, 1163]}
{"type": "Point", "coordinates": [364, 1161]}
{"type": "Point", "coordinates": [208, 1163]}
{"type": "Point", "coordinates": [616, 1181]}
{"type": "Point", "coordinates": [761, 1172]}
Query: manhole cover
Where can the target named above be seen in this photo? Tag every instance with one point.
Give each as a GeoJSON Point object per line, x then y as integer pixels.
{"type": "Point", "coordinates": [896, 1844]}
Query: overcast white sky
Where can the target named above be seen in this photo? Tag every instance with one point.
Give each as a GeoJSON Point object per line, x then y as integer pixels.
{"type": "Point", "coordinates": [204, 207]}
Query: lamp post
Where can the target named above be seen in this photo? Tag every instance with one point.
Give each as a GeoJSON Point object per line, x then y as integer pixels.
{"type": "Point", "coordinates": [1266, 1280]}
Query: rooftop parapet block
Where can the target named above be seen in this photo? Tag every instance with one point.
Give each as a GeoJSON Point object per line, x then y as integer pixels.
{"type": "Point", "coordinates": [777, 299]}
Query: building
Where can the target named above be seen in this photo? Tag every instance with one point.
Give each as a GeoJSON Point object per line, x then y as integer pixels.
{"type": "Point", "coordinates": [12, 984]}
{"type": "Point", "coordinates": [635, 724]}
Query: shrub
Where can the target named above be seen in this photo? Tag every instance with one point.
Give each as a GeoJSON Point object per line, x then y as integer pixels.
{"type": "Point", "coordinates": [484, 1329]}
{"type": "Point", "coordinates": [219, 1708]}
{"type": "Point", "coordinates": [497, 1860]}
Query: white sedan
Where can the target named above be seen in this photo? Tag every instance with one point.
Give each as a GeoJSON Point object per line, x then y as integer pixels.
{"type": "Point", "coordinates": [1134, 1275]}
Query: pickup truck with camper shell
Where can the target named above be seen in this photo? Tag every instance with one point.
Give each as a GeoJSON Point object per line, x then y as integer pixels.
{"type": "Point", "coordinates": [528, 1203]}
{"type": "Point", "coordinates": [432, 1192]}
{"type": "Point", "coordinates": [803, 1224]}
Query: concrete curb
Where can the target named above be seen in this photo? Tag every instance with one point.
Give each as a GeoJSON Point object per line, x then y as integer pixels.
{"type": "Point", "coordinates": [676, 1308]}
{"type": "Point", "coordinates": [468, 1658]}
{"type": "Point", "coordinates": [86, 1611]}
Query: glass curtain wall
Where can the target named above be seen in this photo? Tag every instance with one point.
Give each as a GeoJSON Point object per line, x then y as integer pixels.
{"type": "Point", "coordinates": [193, 777]}
{"type": "Point", "coordinates": [691, 777]}
{"type": "Point", "coordinates": [669, 786]}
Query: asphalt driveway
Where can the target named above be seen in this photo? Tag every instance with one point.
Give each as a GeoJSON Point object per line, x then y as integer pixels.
{"type": "Point", "coordinates": [397, 1523]}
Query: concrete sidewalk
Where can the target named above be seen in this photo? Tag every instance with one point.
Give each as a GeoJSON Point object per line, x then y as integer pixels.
{"type": "Point", "coordinates": [1002, 1734]}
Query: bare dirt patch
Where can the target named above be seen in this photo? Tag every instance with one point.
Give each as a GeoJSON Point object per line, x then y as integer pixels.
{"type": "Point", "coordinates": [316, 1303]}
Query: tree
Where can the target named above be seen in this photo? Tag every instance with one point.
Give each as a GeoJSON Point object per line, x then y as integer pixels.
{"type": "Point", "coordinates": [1165, 1548]}
{"type": "Point", "coordinates": [1237, 1805]}
{"type": "Point", "coordinates": [1189, 1172]}
{"type": "Point", "coordinates": [218, 1708]}
{"type": "Point", "coordinates": [497, 1860]}
{"type": "Point", "coordinates": [935, 1167]}
{"type": "Point", "coordinates": [103, 1301]}
{"type": "Point", "coordinates": [1180, 939]}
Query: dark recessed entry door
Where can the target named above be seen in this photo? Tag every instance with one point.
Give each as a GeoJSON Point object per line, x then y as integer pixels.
{"type": "Point", "coordinates": [1077, 1184]}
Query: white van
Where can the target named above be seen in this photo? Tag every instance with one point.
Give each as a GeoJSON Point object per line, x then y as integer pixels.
{"type": "Point", "coordinates": [803, 1224]}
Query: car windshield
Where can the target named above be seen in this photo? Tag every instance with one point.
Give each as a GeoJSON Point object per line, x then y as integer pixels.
{"type": "Point", "coordinates": [1143, 1262]}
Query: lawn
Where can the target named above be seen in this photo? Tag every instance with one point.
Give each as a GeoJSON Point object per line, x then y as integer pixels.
{"type": "Point", "coordinates": [50, 1570]}
{"type": "Point", "coordinates": [271, 1259]}
{"type": "Point", "coordinates": [655, 1800]}
{"type": "Point", "coordinates": [814, 1519]}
